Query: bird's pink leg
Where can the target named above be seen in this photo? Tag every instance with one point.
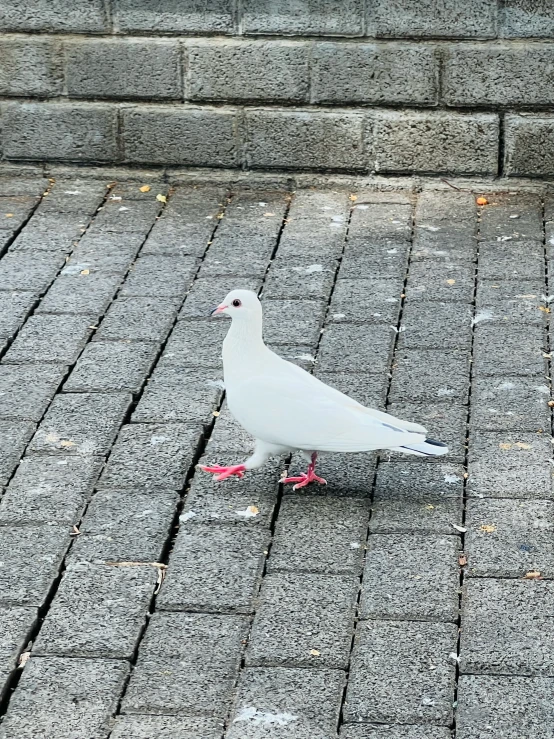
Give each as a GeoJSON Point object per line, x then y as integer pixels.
{"type": "Point", "coordinates": [306, 478]}
{"type": "Point", "coordinates": [223, 472]}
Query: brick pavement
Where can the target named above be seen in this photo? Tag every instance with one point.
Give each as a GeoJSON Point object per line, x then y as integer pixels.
{"type": "Point", "coordinates": [401, 601]}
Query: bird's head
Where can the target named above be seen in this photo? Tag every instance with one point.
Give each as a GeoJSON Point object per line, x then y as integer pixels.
{"type": "Point", "coordinates": [240, 305]}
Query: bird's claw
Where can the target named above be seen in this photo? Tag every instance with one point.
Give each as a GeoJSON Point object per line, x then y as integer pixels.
{"type": "Point", "coordinates": [222, 473]}
{"type": "Point", "coordinates": [304, 479]}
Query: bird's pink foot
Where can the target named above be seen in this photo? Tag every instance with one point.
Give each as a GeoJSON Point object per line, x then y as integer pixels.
{"type": "Point", "coordinates": [305, 479]}
{"type": "Point", "coordinates": [222, 473]}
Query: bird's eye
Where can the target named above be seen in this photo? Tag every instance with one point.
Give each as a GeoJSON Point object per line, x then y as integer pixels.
{"type": "Point", "coordinates": [236, 303]}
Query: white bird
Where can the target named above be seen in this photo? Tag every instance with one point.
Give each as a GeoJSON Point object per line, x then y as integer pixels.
{"type": "Point", "coordinates": [286, 409]}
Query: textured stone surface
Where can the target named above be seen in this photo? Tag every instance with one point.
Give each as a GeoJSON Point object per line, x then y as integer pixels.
{"type": "Point", "coordinates": [59, 697]}
{"type": "Point", "coordinates": [138, 319]}
{"type": "Point", "coordinates": [506, 629]}
{"type": "Point", "coordinates": [25, 392]}
{"type": "Point", "coordinates": [14, 436]}
{"type": "Point", "coordinates": [214, 568]}
{"type": "Point", "coordinates": [422, 578]}
{"type": "Point", "coordinates": [145, 727]}
{"type": "Point", "coordinates": [320, 17]}
{"type": "Point", "coordinates": [304, 703]}
{"type": "Point", "coordinates": [430, 374]}
{"type": "Point", "coordinates": [529, 145]}
{"type": "Point", "coordinates": [389, 731]}
{"type": "Point", "coordinates": [400, 673]}
{"type": "Point", "coordinates": [475, 18]}
{"type": "Point", "coordinates": [111, 366]}
{"type": "Point", "coordinates": [55, 339]}
{"type": "Point", "coordinates": [509, 538]}
{"type": "Point", "coordinates": [527, 707]}
{"type": "Point", "coordinates": [88, 599]}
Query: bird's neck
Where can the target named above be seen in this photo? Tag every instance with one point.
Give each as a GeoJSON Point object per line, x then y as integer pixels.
{"type": "Point", "coordinates": [243, 344]}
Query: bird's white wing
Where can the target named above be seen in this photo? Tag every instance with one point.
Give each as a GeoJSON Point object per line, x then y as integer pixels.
{"type": "Point", "coordinates": [294, 413]}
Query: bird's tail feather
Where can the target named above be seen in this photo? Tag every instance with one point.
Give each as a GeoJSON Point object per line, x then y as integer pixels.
{"type": "Point", "coordinates": [427, 448]}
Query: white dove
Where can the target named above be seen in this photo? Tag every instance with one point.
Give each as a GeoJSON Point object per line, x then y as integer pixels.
{"type": "Point", "coordinates": [285, 408]}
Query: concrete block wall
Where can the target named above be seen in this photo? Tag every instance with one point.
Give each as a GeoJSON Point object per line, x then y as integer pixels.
{"type": "Point", "coordinates": [388, 86]}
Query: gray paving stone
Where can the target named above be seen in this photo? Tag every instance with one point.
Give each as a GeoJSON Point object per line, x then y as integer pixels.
{"type": "Point", "coordinates": [196, 344]}
{"type": "Point", "coordinates": [301, 703]}
{"type": "Point", "coordinates": [132, 190]}
{"type": "Point", "coordinates": [511, 260]}
{"type": "Point", "coordinates": [15, 209]}
{"type": "Point", "coordinates": [125, 526]}
{"type": "Point", "coordinates": [60, 697]}
{"type": "Point", "coordinates": [228, 437]}
{"type": "Point", "coordinates": [510, 465]}
{"type": "Point", "coordinates": [510, 301]}
{"type": "Point", "coordinates": [118, 216]}
{"type": "Point", "coordinates": [508, 538]}
{"type": "Point", "coordinates": [208, 292]}
{"type": "Point", "coordinates": [49, 490]}
{"type": "Point", "coordinates": [430, 374]}
{"type": "Point", "coordinates": [214, 568]}
{"type": "Point", "coordinates": [417, 498]}
{"type": "Point", "coordinates": [381, 221]}
{"type": "Point", "coordinates": [106, 252]}
{"type": "Point", "coordinates": [32, 272]}
{"type": "Point", "coordinates": [178, 236]}
{"type": "Point", "coordinates": [112, 366]}
{"type": "Point", "coordinates": [516, 350]}
{"type": "Point", "coordinates": [514, 216]}
{"type": "Point", "coordinates": [151, 456]}
{"type": "Point", "coordinates": [435, 325]}
{"type": "Point", "coordinates": [371, 300]}
{"type": "Point", "coordinates": [441, 281]}
{"type": "Point", "coordinates": [510, 404]}
{"type": "Point", "coordinates": [507, 628]}
{"type": "Point", "coordinates": [227, 255]}
{"type": "Point", "coordinates": [187, 665]}
{"type": "Point", "coordinates": [50, 339]}
{"type": "Point", "coordinates": [383, 259]}
{"type": "Point", "coordinates": [526, 707]}
{"type": "Point", "coordinates": [153, 276]}
{"type": "Point", "coordinates": [315, 241]}
{"type": "Point", "coordinates": [421, 582]}
{"type": "Point", "coordinates": [351, 348]}
{"type": "Point", "coordinates": [14, 437]}
{"type": "Point", "coordinates": [348, 475]}
{"type": "Point", "coordinates": [247, 502]}
{"type": "Point", "coordinates": [74, 197]}
{"type": "Point", "coordinates": [87, 294]}
{"type": "Point", "coordinates": [88, 599]}
{"type": "Point", "coordinates": [15, 630]}
{"type": "Point", "coordinates": [401, 672]}
{"type": "Point", "coordinates": [314, 534]}
{"type": "Point", "coordinates": [449, 246]}
{"type": "Point", "coordinates": [369, 390]}
{"type": "Point", "coordinates": [293, 321]}
{"type": "Point", "coordinates": [443, 421]}
{"type": "Point", "coordinates": [180, 394]}
{"type": "Point", "coordinates": [34, 242]}
{"type": "Point", "coordinates": [300, 614]}
{"type": "Point", "coordinates": [25, 581]}
{"type": "Point", "coordinates": [23, 184]}
{"type": "Point", "coordinates": [451, 208]}
{"type": "Point", "coordinates": [25, 392]}
{"type": "Point", "coordinates": [166, 727]}
{"type": "Point", "coordinates": [389, 731]}
{"type": "Point", "coordinates": [14, 309]}
{"type": "Point", "coordinates": [81, 423]}
{"type": "Point", "coordinates": [301, 278]}
{"type": "Point", "coordinates": [139, 319]}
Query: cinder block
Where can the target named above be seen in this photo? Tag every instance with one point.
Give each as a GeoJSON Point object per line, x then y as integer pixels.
{"type": "Point", "coordinates": [322, 17]}
{"type": "Point", "coordinates": [190, 16]}
{"type": "Point", "coordinates": [248, 70]}
{"type": "Point", "coordinates": [81, 16]}
{"type": "Point", "coordinates": [185, 727]}
{"type": "Point", "coordinates": [437, 142]}
{"type": "Point", "coordinates": [81, 132]}
{"type": "Point", "coordinates": [198, 137]}
{"type": "Point", "coordinates": [374, 73]}
{"type": "Point", "coordinates": [390, 731]}
{"type": "Point", "coordinates": [494, 74]}
{"type": "Point", "coordinates": [428, 18]}
{"type": "Point", "coordinates": [521, 18]}
{"type": "Point", "coordinates": [123, 68]}
{"type": "Point", "coordinates": [30, 67]}
{"type": "Point", "coordinates": [304, 140]}
{"type": "Point", "coordinates": [529, 145]}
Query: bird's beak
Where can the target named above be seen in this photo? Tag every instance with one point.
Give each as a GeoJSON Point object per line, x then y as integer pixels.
{"type": "Point", "coordinates": [219, 309]}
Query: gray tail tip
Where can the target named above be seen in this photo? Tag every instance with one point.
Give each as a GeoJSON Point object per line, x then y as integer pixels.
{"type": "Point", "coordinates": [434, 442]}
